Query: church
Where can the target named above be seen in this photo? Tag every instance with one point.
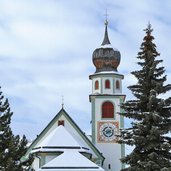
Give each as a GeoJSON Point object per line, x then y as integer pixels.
{"type": "Point", "coordinates": [63, 146]}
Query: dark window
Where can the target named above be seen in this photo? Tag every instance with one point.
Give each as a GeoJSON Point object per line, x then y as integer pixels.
{"type": "Point", "coordinates": [107, 110]}
{"type": "Point", "coordinates": [96, 85]}
{"type": "Point", "coordinates": [61, 122]}
{"type": "Point", "coordinates": [117, 84]}
{"type": "Point", "coordinates": [109, 166]}
{"type": "Point", "coordinates": [107, 84]}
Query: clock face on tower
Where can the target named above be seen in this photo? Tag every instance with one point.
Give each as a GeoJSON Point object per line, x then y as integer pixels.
{"type": "Point", "coordinates": [107, 131]}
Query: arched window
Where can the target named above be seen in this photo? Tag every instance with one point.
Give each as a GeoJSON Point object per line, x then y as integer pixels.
{"type": "Point", "coordinates": [96, 85]}
{"type": "Point", "coordinates": [109, 166]}
{"type": "Point", "coordinates": [107, 84]}
{"type": "Point", "coordinates": [117, 84]}
{"type": "Point", "coordinates": [107, 110]}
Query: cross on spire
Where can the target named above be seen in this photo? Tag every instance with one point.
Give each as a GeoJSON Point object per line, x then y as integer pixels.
{"type": "Point", "coordinates": [62, 102]}
{"type": "Point", "coordinates": [106, 38]}
{"type": "Point", "coordinates": [106, 16]}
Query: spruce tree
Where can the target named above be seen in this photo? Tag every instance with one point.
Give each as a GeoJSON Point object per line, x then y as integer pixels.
{"type": "Point", "coordinates": [151, 114]}
{"type": "Point", "coordinates": [12, 147]}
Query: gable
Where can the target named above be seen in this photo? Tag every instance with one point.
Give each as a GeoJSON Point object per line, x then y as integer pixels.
{"type": "Point", "coordinates": [72, 128]}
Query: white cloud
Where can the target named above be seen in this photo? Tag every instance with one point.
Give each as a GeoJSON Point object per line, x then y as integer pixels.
{"type": "Point", "coordinates": [46, 52]}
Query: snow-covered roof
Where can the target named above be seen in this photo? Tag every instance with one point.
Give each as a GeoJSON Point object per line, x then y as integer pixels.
{"type": "Point", "coordinates": [108, 46]}
{"type": "Point", "coordinates": [59, 139]}
{"type": "Point", "coordinates": [107, 72]}
{"type": "Point", "coordinates": [70, 160]}
{"type": "Point", "coordinates": [86, 144]}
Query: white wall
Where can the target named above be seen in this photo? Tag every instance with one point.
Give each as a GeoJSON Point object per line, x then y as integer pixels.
{"type": "Point", "coordinates": [107, 90]}
{"type": "Point", "coordinates": [98, 108]}
{"type": "Point", "coordinates": [111, 151]}
{"type": "Point", "coordinates": [49, 158]}
{"type": "Point", "coordinates": [101, 79]}
{"type": "Point", "coordinates": [35, 163]}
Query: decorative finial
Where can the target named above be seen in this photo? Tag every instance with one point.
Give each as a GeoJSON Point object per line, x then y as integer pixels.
{"type": "Point", "coordinates": [106, 20]}
{"type": "Point", "coordinates": [62, 102]}
{"type": "Point", "coordinates": [106, 38]}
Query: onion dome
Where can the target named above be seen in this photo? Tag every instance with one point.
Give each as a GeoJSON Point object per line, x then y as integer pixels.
{"type": "Point", "coordinates": [106, 58]}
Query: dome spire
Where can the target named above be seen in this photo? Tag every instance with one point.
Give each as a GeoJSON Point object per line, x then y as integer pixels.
{"type": "Point", "coordinates": [106, 38]}
{"type": "Point", "coordinates": [106, 58]}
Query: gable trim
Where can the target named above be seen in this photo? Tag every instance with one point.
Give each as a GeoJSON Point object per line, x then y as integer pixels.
{"type": "Point", "coordinates": [46, 129]}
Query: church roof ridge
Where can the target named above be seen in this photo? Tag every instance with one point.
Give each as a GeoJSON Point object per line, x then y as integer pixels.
{"type": "Point", "coordinates": [45, 130]}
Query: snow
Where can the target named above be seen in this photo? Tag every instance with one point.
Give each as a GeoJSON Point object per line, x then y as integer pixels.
{"type": "Point", "coordinates": [108, 46]}
{"type": "Point", "coordinates": [59, 137]}
{"type": "Point", "coordinates": [71, 159]}
{"type": "Point", "coordinates": [107, 72]}
{"type": "Point", "coordinates": [6, 150]}
{"type": "Point", "coordinates": [29, 143]}
{"type": "Point", "coordinates": [89, 137]}
{"type": "Point", "coordinates": [167, 107]}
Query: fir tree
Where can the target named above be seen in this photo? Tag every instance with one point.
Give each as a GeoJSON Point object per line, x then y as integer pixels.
{"type": "Point", "coordinates": [12, 147]}
{"type": "Point", "coordinates": [151, 114]}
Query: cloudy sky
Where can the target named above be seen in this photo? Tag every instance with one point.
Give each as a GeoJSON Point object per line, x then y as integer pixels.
{"type": "Point", "coordinates": [46, 51]}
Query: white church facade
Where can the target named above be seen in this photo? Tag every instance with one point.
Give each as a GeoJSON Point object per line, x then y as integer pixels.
{"type": "Point", "coordinates": [63, 146]}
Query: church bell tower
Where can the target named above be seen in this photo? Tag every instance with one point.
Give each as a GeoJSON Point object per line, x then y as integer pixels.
{"type": "Point", "coordinates": [105, 101]}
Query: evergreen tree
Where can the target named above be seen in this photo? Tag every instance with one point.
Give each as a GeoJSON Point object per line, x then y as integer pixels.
{"type": "Point", "coordinates": [12, 147]}
{"type": "Point", "coordinates": [151, 114]}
